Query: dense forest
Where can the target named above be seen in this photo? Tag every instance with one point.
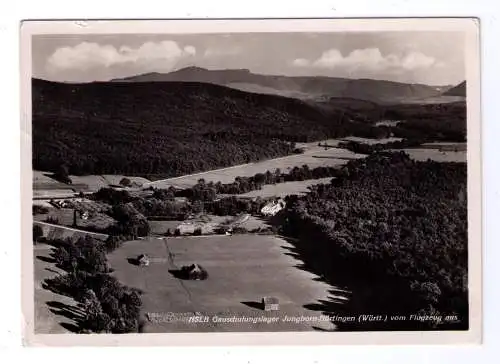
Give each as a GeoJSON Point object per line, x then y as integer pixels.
{"type": "Point", "coordinates": [166, 129]}
{"type": "Point", "coordinates": [399, 226]}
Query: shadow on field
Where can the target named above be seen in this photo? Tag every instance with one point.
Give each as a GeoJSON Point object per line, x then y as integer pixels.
{"type": "Point", "coordinates": [353, 293]}
{"type": "Point", "coordinates": [58, 285]}
{"type": "Point", "coordinates": [133, 261]}
{"type": "Point", "coordinates": [68, 311]}
{"type": "Point", "coordinates": [253, 304]}
{"type": "Point", "coordinates": [45, 259]}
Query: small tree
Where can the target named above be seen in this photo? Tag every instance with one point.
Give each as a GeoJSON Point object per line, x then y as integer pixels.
{"type": "Point", "coordinates": [37, 233]}
{"type": "Point", "coordinates": [38, 209]}
{"type": "Point", "coordinates": [197, 231]}
{"type": "Point", "coordinates": [126, 182]}
{"type": "Point", "coordinates": [62, 174]}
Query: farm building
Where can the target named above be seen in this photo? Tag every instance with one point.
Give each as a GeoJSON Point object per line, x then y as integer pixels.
{"type": "Point", "coordinates": [143, 260]}
{"type": "Point", "coordinates": [194, 272]}
{"type": "Point", "coordinates": [273, 208]}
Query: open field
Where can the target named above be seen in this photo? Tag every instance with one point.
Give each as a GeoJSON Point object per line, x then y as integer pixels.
{"type": "Point", "coordinates": [313, 156]}
{"type": "Point", "coordinates": [253, 223]}
{"type": "Point", "coordinates": [287, 188]}
{"type": "Point", "coordinates": [161, 227]}
{"type": "Point", "coordinates": [371, 141]}
{"type": "Point", "coordinates": [47, 303]}
{"type": "Point", "coordinates": [42, 177]}
{"type": "Point", "coordinates": [236, 267]}
{"type": "Point", "coordinates": [44, 185]}
{"type": "Point", "coordinates": [48, 194]}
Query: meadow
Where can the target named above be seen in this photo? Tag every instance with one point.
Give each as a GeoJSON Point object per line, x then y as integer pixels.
{"type": "Point", "coordinates": [236, 267]}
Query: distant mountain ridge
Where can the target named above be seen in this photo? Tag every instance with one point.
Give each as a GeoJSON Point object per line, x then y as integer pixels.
{"type": "Point", "coordinates": [458, 90]}
{"type": "Point", "coordinates": [303, 87]}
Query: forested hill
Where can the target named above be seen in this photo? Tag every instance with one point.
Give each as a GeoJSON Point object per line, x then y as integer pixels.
{"type": "Point", "coordinates": [168, 128]}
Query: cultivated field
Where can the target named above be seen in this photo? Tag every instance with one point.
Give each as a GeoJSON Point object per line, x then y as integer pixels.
{"type": "Point", "coordinates": [287, 188]}
{"type": "Point", "coordinates": [55, 232]}
{"type": "Point", "coordinates": [56, 193]}
{"type": "Point", "coordinates": [242, 269]}
{"type": "Point", "coordinates": [314, 156]}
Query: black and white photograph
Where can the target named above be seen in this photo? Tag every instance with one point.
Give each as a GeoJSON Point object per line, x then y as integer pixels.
{"type": "Point", "coordinates": [252, 177]}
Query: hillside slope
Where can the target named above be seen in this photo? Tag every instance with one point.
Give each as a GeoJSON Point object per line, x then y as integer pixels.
{"type": "Point", "coordinates": [167, 129]}
{"type": "Point", "coordinates": [302, 87]}
{"type": "Point", "coordinates": [458, 90]}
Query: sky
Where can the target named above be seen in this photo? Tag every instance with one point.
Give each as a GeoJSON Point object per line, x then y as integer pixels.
{"type": "Point", "coordinates": [432, 58]}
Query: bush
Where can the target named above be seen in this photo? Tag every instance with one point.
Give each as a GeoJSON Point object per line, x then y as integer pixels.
{"type": "Point", "coordinates": [40, 210]}
{"type": "Point", "coordinates": [37, 233]}
{"type": "Point", "coordinates": [126, 182]}
{"type": "Point", "coordinates": [52, 220]}
{"type": "Point", "coordinates": [113, 242]}
{"type": "Point", "coordinates": [239, 230]}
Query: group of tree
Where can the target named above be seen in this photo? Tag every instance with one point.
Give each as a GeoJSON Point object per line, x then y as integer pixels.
{"type": "Point", "coordinates": [40, 210]}
{"type": "Point", "coordinates": [365, 148]}
{"type": "Point", "coordinates": [129, 221]}
{"type": "Point", "coordinates": [396, 223]}
{"type": "Point", "coordinates": [203, 191]}
{"type": "Point", "coordinates": [108, 306]}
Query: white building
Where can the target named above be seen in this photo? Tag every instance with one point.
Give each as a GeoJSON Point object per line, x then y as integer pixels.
{"type": "Point", "coordinates": [273, 208]}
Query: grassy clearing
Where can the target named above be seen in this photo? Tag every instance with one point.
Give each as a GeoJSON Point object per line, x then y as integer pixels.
{"type": "Point", "coordinates": [371, 141]}
{"type": "Point", "coordinates": [236, 267]}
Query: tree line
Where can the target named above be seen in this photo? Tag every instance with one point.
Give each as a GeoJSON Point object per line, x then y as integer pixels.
{"type": "Point", "coordinates": [203, 191]}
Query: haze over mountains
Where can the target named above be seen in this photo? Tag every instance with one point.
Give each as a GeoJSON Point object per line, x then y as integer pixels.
{"type": "Point", "coordinates": [317, 88]}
